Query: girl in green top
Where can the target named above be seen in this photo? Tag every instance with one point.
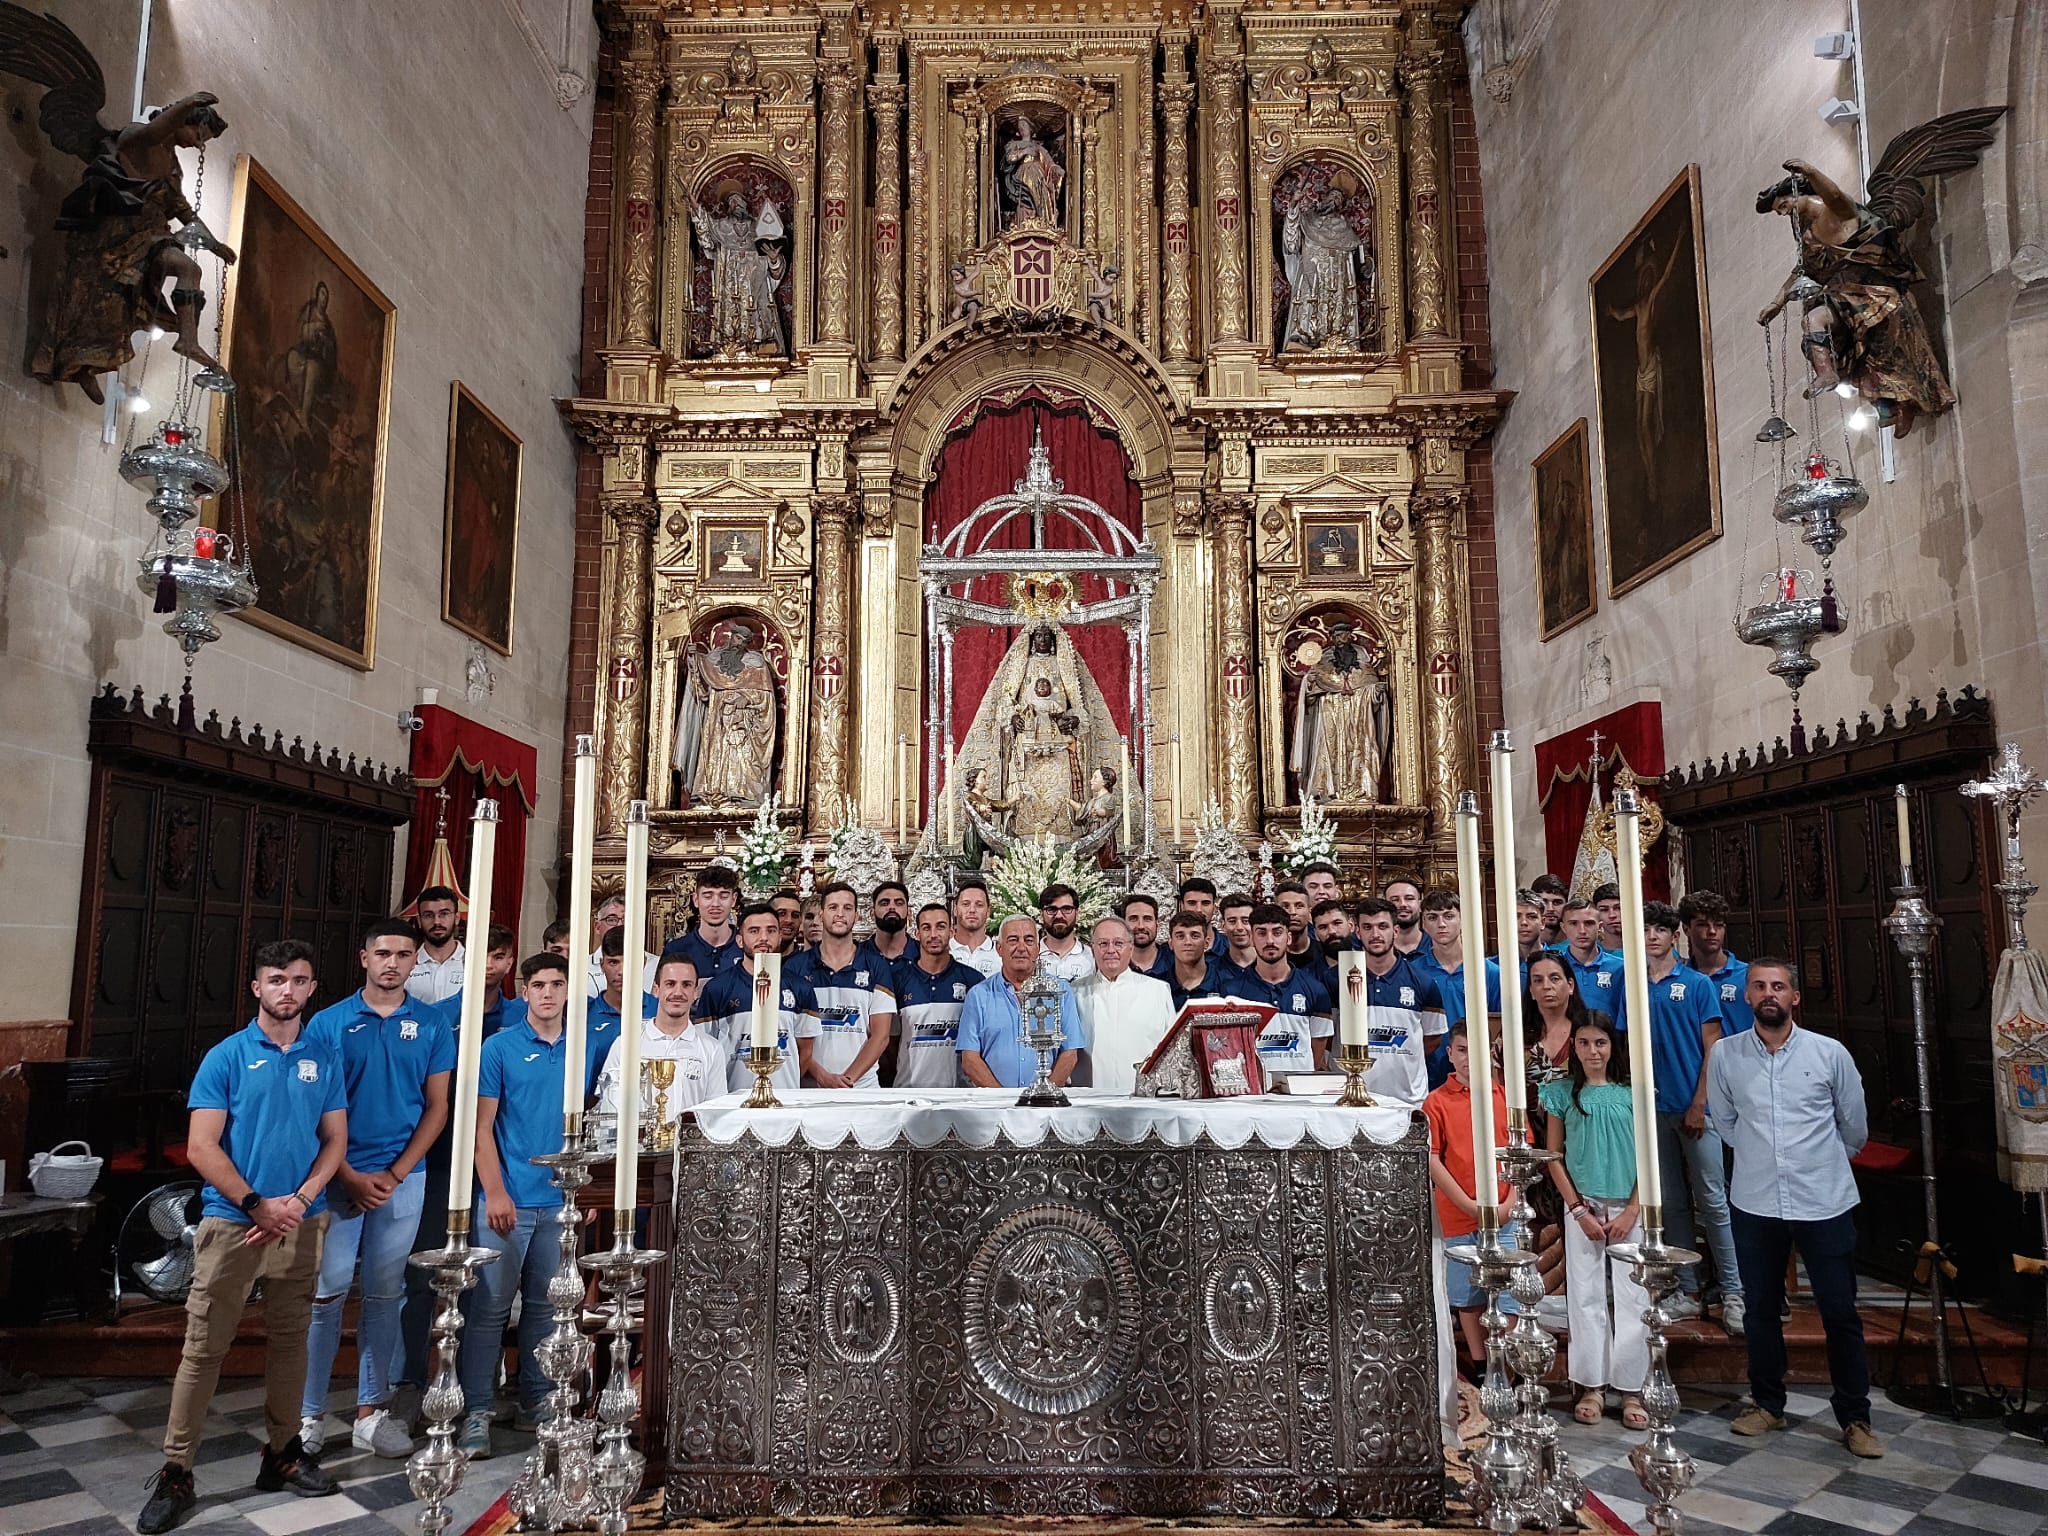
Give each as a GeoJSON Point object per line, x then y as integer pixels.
{"type": "Point", "coordinates": [1592, 1123]}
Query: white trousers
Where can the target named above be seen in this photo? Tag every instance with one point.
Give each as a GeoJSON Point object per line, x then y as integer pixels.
{"type": "Point", "coordinates": [1610, 1347]}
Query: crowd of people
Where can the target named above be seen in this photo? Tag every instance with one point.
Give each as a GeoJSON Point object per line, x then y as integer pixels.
{"type": "Point", "coordinates": [323, 1139]}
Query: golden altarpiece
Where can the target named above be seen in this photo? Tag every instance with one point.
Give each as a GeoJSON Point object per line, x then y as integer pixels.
{"type": "Point", "coordinates": [1215, 242]}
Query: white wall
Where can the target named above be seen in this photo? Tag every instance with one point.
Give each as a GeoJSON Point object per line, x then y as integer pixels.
{"type": "Point", "coordinates": [427, 140]}
{"type": "Point", "coordinates": [1944, 577]}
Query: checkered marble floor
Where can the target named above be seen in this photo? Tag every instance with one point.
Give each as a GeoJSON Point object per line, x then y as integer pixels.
{"type": "Point", "coordinates": [74, 1456]}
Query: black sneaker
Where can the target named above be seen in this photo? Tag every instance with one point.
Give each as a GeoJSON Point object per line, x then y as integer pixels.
{"type": "Point", "coordinates": [171, 1496]}
{"type": "Point", "coordinates": [292, 1468]}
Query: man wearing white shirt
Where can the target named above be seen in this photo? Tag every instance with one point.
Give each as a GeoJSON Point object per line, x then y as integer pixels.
{"type": "Point", "coordinates": [610, 914]}
{"type": "Point", "coordinates": [437, 973]}
{"type": "Point", "coordinates": [972, 943]}
{"type": "Point", "coordinates": [1127, 1012]}
{"type": "Point", "coordinates": [671, 1035]}
{"type": "Point", "coordinates": [1063, 954]}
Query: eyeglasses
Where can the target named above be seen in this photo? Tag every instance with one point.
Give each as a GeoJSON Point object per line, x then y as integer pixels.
{"type": "Point", "coordinates": [1065, 906]}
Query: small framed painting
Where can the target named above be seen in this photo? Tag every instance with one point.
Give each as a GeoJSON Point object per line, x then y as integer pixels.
{"type": "Point", "coordinates": [1332, 551]}
{"type": "Point", "coordinates": [1566, 592]}
{"type": "Point", "coordinates": [734, 554]}
{"type": "Point", "coordinates": [480, 525]}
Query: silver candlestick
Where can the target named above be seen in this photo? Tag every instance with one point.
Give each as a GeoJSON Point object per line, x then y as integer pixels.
{"type": "Point", "coordinates": [1662, 1465]}
{"type": "Point", "coordinates": [1501, 1470]}
{"type": "Point", "coordinates": [554, 1489]}
{"type": "Point", "coordinates": [618, 1468]}
{"type": "Point", "coordinates": [1552, 1493]}
{"type": "Point", "coordinates": [434, 1471]}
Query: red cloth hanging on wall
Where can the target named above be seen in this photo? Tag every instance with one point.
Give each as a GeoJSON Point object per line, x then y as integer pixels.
{"type": "Point", "coordinates": [986, 457]}
{"type": "Point", "coordinates": [1633, 738]}
{"type": "Point", "coordinates": [472, 762]}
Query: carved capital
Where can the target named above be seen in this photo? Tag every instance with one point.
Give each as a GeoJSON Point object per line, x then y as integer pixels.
{"type": "Point", "coordinates": [1190, 514]}
{"type": "Point", "coordinates": [634, 517]}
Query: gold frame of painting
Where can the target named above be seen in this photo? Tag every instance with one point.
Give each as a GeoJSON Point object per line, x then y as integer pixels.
{"type": "Point", "coordinates": [1577, 435]}
{"type": "Point", "coordinates": [458, 392]}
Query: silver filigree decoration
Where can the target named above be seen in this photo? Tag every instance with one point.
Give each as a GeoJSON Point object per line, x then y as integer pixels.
{"type": "Point", "coordinates": [1051, 1306]}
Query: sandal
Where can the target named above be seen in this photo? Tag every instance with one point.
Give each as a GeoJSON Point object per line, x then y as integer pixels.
{"type": "Point", "coordinates": [1633, 1414]}
{"type": "Point", "coordinates": [1591, 1404]}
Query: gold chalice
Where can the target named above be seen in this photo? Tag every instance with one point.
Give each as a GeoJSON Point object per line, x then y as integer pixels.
{"type": "Point", "coordinates": [661, 1072]}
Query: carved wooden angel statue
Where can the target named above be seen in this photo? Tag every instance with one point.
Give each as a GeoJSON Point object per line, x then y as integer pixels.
{"type": "Point", "coordinates": [1854, 272]}
{"type": "Point", "coordinates": [119, 248]}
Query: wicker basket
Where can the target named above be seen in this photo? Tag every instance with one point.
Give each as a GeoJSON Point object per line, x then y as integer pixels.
{"type": "Point", "coordinates": [72, 1178]}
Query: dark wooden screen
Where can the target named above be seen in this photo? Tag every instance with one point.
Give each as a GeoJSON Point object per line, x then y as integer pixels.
{"type": "Point", "coordinates": [203, 844]}
{"type": "Point", "coordinates": [1804, 846]}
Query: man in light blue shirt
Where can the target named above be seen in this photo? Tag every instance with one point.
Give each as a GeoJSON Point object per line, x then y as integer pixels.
{"type": "Point", "coordinates": [990, 1054]}
{"type": "Point", "coordinates": [1790, 1104]}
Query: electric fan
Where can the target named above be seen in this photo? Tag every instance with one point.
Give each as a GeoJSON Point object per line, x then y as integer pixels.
{"type": "Point", "coordinates": [154, 1248]}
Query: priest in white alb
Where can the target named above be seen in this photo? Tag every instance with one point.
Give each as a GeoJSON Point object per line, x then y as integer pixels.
{"type": "Point", "coordinates": [1127, 1013]}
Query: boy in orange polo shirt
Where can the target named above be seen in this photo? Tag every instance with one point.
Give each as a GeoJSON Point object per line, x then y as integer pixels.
{"type": "Point", "coordinates": [1449, 1112]}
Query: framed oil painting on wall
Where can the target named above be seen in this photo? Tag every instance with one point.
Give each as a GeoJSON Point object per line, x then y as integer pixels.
{"type": "Point", "coordinates": [480, 524]}
{"type": "Point", "coordinates": [309, 344]}
{"type": "Point", "coordinates": [1565, 590]}
{"type": "Point", "coordinates": [1653, 379]}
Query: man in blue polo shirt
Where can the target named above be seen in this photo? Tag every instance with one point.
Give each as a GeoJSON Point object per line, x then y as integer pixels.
{"type": "Point", "coordinates": [396, 1057]}
{"type": "Point", "coordinates": [1596, 973]}
{"type": "Point", "coordinates": [519, 1103]}
{"type": "Point", "coordinates": [1685, 1023]}
{"type": "Point", "coordinates": [269, 1126]}
{"type": "Point", "coordinates": [499, 1010]}
{"type": "Point", "coordinates": [931, 989]}
{"type": "Point", "coordinates": [1404, 1011]}
{"type": "Point", "coordinates": [856, 1006]}
{"type": "Point", "coordinates": [1298, 1034]}
{"type": "Point", "coordinates": [1151, 953]}
{"type": "Point", "coordinates": [1443, 962]}
{"type": "Point", "coordinates": [1198, 895]}
{"type": "Point", "coordinates": [1705, 915]}
{"type": "Point", "coordinates": [991, 1056]}
{"type": "Point", "coordinates": [603, 1012]}
{"type": "Point", "coordinates": [1195, 975]}
{"type": "Point", "coordinates": [725, 1005]}
{"type": "Point", "coordinates": [711, 945]}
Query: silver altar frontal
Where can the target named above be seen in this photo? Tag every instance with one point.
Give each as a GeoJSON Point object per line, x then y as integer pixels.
{"type": "Point", "coordinates": [944, 1304]}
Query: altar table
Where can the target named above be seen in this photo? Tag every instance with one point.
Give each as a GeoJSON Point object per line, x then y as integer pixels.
{"type": "Point", "coordinates": [937, 1303]}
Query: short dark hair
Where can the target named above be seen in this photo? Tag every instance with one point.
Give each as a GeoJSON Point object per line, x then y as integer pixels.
{"type": "Point", "coordinates": [1527, 897]}
{"type": "Point", "coordinates": [1454, 1032]}
{"type": "Point", "coordinates": [1413, 885]}
{"type": "Point", "coordinates": [1233, 901]}
{"type": "Point", "coordinates": [1440, 900]}
{"type": "Point", "coordinates": [437, 893]}
{"type": "Point", "coordinates": [1327, 905]}
{"type": "Point", "coordinates": [718, 877]}
{"type": "Point", "coordinates": [1372, 906]}
{"type": "Point", "coordinates": [1547, 884]}
{"type": "Point", "coordinates": [500, 939]}
{"type": "Point", "coordinates": [1576, 904]}
{"type": "Point", "coordinates": [1267, 913]}
{"type": "Point", "coordinates": [1773, 963]}
{"type": "Point", "coordinates": [673, 957]}
{"type": "Point", "coordinates": [613, 943]}
{"type": "Point", "coordinates": [934, 906]}
{"type": "Point", "coordinates": [1607, 892]}
{"type": "Point", "coordinates": [278, 954]}
{"type": "Point", "coordinates": [1195, 885]}
{"type": "Point", "coordinates": [389, 927]}
{"type": "Point", "coordinates": [890, 885]}
{"type": "Point", "coordinates": [758, 909]}
{"type": "Point", "coordinates": [546, 960]}
{"type": "Point", "coordinates": [1711, 905]}
{"type": "Point", "coordinates": [787, 893]}
{"type": "Point", "coordinates": [1321, 867]}
{"type": "Point", "coordinates": [555, 932]}
{"type": "Point", "coordinates": [1291, 888]}
{"type": "Point", "coordinates": [971, 883]}
{"type": "Point", "coordinates": [1661, 914]}
{"type": "Point", "coordinates": [833, 888]}
{"type": "Point", "coordinates": [1189, 920]}
{"type": "Point", "coordinates": [1054, 892]}
{"type": "Point", "coordinates": [1123, 908]}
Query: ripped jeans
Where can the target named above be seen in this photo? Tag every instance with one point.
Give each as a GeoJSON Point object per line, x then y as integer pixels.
{"type": "Point", "coordinates": [384, 1239]}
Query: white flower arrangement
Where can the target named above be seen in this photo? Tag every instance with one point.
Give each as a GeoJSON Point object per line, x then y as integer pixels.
{"type": "Point", "coordinates": [764, 854]}
{"type": "Point", "coordinates": [1027, 868]}
{"type": "Point", "coordinates": [1314, 843]}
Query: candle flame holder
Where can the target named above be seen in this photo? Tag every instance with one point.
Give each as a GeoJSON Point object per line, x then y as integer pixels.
{"type": "Point", "coordinates": [554, 1489]}
{"type": "Point", "coordinates": [434, 1471]}
{"type": "Point", "coordinates": [764, 1061]}
{"type": "Point", "coordinates": [1356, 1060]}
{"type": "Point", "coordinates": [1662, 1465]}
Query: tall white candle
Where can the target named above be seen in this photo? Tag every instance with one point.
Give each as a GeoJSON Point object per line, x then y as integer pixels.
{"type": "Point", "coordinates": [1173, 788]}
{"type": "Point", "coordinates": [1124, 783]}
{"type": "Point", "coordinates": [1905, 834]}
{"type": "Point", "coordinates": [767, 999]}
{"type": "Point", "coordinates": [626, 1170]}
{"type": "Point", "coordinates": [1513, 1065]}
{"type": "Point", "coordinates": [476, 949]}
{"type": "Point", "coordinates": [952, 799]}
{"type": "Point", "coordinates": [1642, 1068]}
{"type": "Point", "coordinates": [902, 789]}
{"type": "Point", "coordinates": [582, 852]}
{"type": "Point", "coordinates": [1478, 1035]}
{"type": "Point", "coordinates": [1351, 987]}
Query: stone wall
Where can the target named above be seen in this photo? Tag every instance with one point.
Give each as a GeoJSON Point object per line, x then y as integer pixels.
{"type": "Point", "coordinates": [1944, 576]}
{"type": "Point", "coordinates": [428, 140]}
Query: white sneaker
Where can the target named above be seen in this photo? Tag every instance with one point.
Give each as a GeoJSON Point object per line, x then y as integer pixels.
{"type": "Point", "coordinates": [382, 1435]}
{"type": "Point", "coordinates": [313, 1435]}
{"type": "Point", "coordinates": [1682, 1306]}
{"type": "Point", "coordinates": [1733, 1315]}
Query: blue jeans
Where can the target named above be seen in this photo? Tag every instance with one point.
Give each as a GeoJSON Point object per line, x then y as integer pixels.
{"type": "Point", "coordinates": [526, 1262]}
{"type": "Point", "coordinates": [384, 1239]}
{"type": "Point", "coordinates": [1694, 1172]}
{"type": "Point", "coordinates": [1828, 1250]}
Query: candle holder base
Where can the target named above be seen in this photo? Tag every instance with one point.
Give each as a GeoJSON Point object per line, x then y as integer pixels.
{"type": "Point", "coordinates": [764, 1061]}
{"type": "Point", "coordinates": [1356, 1062]}
{"type": "Point", "coordinates": [553, 1490]}
{"type": "Point", "coordinates": [1661, 1464]}
{"type": "Point", "coordinates": [618, 1469]}
{"type": "Point", "coordinates": [434, 1471]}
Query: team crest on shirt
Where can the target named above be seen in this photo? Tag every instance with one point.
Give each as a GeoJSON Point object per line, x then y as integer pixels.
{"type": "Point", "coordinates": [309, 1070]}
{"type": "Point", "coordinates": [1678, 991]}
{"type": "Point", "coordinates": [1604, 980]}
{"type": "Point", "coordinates": [1727, 991]}
{"type": "Point", "coordinates": [959, 991]}
{"type": "Point", "coordinates": [409, 1029]}
{"type": "Point", "coordinates": [860, 978]}
{"type": "Point", "coordinates": [788, 998]}
{"type": "Point", "coordinates": [1300, 1002]}
{"type": "Point", "coordinates": [1407, 997]}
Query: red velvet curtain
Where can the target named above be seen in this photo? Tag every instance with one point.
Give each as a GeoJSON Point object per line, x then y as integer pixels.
{"type": "Point", "coordinates": [986, 457]}
{"type": "Point", "coordinates": [471, 762]}
{"type": "Point", "coordinates": [1631, 738]}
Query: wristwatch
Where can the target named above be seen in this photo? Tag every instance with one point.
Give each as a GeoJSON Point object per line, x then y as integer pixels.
{"type": "Point", "coordinates": [249, 1202]}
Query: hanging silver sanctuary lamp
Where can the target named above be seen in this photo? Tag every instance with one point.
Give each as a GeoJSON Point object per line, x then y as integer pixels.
{"type": "Point", "coordinates": [1791, 612]}
{"type": "Point", "coordinates": [1817, 501]}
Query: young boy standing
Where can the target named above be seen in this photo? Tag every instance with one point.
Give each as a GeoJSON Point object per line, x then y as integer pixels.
{"type": "Point", "coordinates": [1456, 1177]}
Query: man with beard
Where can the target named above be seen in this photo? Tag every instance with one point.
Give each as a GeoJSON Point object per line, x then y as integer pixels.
{"type": "Point", "coordinates": [1291, 896]}
{"type": "Point", "coordinates": [1405, 896]}
{"type": "Point", "coordinates": [1790, 1104]}
{"type": "Point", "coordinates": [437, 969]}
{"type": "Point", "coordinates": [1553, 893]}
{"type": "Point", "coordinates": [972, 943]}
{"type": "Point", "coordinates": [1149, 957]}
{"type": "Point", "coordinates": [1404, 1011]}
{"type": "Point", "coordinates": [891, 909]}
{"type": "Point", "coordinates": [1298, 1034]}
{"type": "Point", "coordinates": [856, 1001]}
{"type": "Point", "coordinates": [1330, 922]}
{"type": "Point", "coordinates": [789, 911]}
{"type": "Point", "coordinates": [1059, 911]}
{"type": "Point", "coordinates": [268, 1130]}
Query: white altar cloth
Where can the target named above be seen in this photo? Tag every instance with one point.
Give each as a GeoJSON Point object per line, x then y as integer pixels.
{"type": "Point", "coordinates": [878, 1117]}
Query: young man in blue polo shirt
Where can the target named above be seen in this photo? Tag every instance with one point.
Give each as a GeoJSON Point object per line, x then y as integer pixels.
{"type": "Point", "coordinates": [269, 1127]}
{"type": "Point", "coordinates": [1705, 915]}
{"type": "Point", "coordinates": [1151, 952]}
{"type": "Point", "coordinates": [603, 1012]}
{"type": "Point", "coordinates": [1404, 1011]}
{"type": "Point", "coordinates": [852, 985]}
{"type": "Point", "coordinates": [1198, 895]}
{"type": "Point", "coordinates": [1195, 975]}
{"type": "Point", "coordinates": [518, 1117]}
{"type": "Point", "coordinates": [712, 944]}
{"type": "Point", "coordinates": [931, 989]}
{"type": "Point", "coordinates": [1443, 962]}
{"type": "Point", "coordinates": [725, 1005]}
{"type": "Point", "coordinates": [397, 1054]}
{"type": "Point", "coordinates": [1298, 1034]}
{"type": "Point", "coordinates": [499, 1010]}
{"type": "Point", "coordinates": [1595, 972]}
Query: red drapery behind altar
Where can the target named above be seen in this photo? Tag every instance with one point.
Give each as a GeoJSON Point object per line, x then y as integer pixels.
{"type": "Point", "coordinates": [986, 457]}
{"type": "Point", "coordinates": [472, 762]}
{"type": "Point", "coordinates": [1632, 738]}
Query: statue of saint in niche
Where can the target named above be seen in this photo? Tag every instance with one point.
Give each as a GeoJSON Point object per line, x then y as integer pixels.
{"type": "Point", "coordinates": [725, 730]}
{"type": "Point", "coordinates": [748, 258]}
{"type": "Point", "coordinates": [1031, 177]}
{"type": "Point", "coordinates": [1329, 267]}
{"type": "Point", "coordinates": [1343, 720]}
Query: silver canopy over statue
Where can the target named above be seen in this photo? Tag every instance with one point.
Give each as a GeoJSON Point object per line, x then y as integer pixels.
{"type": "Point", "coordinates": [1343, 720]}
{"type": "Point", "coordinates": [725, 730]}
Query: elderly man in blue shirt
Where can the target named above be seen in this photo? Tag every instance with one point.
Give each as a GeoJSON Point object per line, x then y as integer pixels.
{"type": "Point", "coordinates": [1790, 1104]}
{"type": "Point", "coordinates": [991, 1056]}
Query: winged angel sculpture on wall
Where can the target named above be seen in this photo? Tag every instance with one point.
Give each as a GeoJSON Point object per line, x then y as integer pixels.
{"type": "Point", "coordinates": [1861, 326]}
{"type": "Point", "coordinates": [119, 248]}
